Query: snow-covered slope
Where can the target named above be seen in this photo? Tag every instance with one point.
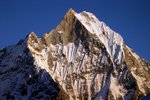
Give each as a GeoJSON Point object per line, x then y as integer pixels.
{"type": "Point", "coordinates": [81, 59]}
{"type": "Point", "coordinates": [20, 78]}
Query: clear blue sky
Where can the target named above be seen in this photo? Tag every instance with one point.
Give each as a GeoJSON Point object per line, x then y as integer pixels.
{"type": "Point", "coordinates": [130, 18]}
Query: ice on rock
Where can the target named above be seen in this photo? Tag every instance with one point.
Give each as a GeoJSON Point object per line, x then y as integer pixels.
{"type": "Point", "coordinates": [109, 38]}
{"type": "Point", "coordinates": [86, 59]}
{"type": "Point", "coordinates": [70, 51]}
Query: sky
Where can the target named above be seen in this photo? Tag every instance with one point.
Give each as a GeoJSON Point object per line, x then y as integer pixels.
{"type": "Point", "coordinates": [130, 18]}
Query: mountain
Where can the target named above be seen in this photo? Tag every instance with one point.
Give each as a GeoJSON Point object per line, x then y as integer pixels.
{"type": "Point", "coordinates": [81, 59]}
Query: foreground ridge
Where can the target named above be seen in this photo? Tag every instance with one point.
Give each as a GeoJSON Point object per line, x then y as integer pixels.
{"type": "Point", "coordinates": [82, 58]}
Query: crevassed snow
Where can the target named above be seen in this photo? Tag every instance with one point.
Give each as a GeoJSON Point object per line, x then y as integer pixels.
{"type": "Point", "coordinates": [112, 40]}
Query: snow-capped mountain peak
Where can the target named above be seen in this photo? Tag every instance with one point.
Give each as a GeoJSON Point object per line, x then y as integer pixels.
{"type": "Point", "coordinates": [82, 58]}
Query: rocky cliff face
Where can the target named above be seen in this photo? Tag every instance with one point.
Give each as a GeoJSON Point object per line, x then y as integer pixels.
{"type": "Point", "coordinates": [81, 59]}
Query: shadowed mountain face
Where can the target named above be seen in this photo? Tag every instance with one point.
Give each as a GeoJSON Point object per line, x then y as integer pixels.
{"type": "Point", "coordinates": [82, 58]}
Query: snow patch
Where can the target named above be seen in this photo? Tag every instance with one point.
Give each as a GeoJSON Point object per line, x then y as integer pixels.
{"type": "Point", "coordinates": [140, 81]}
{"type": "Point", "coordinates": [40, 59]}
{"type": "Point", "coordinates": [116, 89]}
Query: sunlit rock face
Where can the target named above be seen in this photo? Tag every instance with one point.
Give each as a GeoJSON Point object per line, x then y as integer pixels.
{"type": "Point", "coordinates": [81, 59]}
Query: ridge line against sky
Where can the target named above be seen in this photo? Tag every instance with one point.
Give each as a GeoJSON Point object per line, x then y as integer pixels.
{"type": "Point", "coordinates": [129, 18]}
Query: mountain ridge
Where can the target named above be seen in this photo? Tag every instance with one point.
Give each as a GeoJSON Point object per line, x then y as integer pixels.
{"type": "Point", "coordinates": [85, 58]}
